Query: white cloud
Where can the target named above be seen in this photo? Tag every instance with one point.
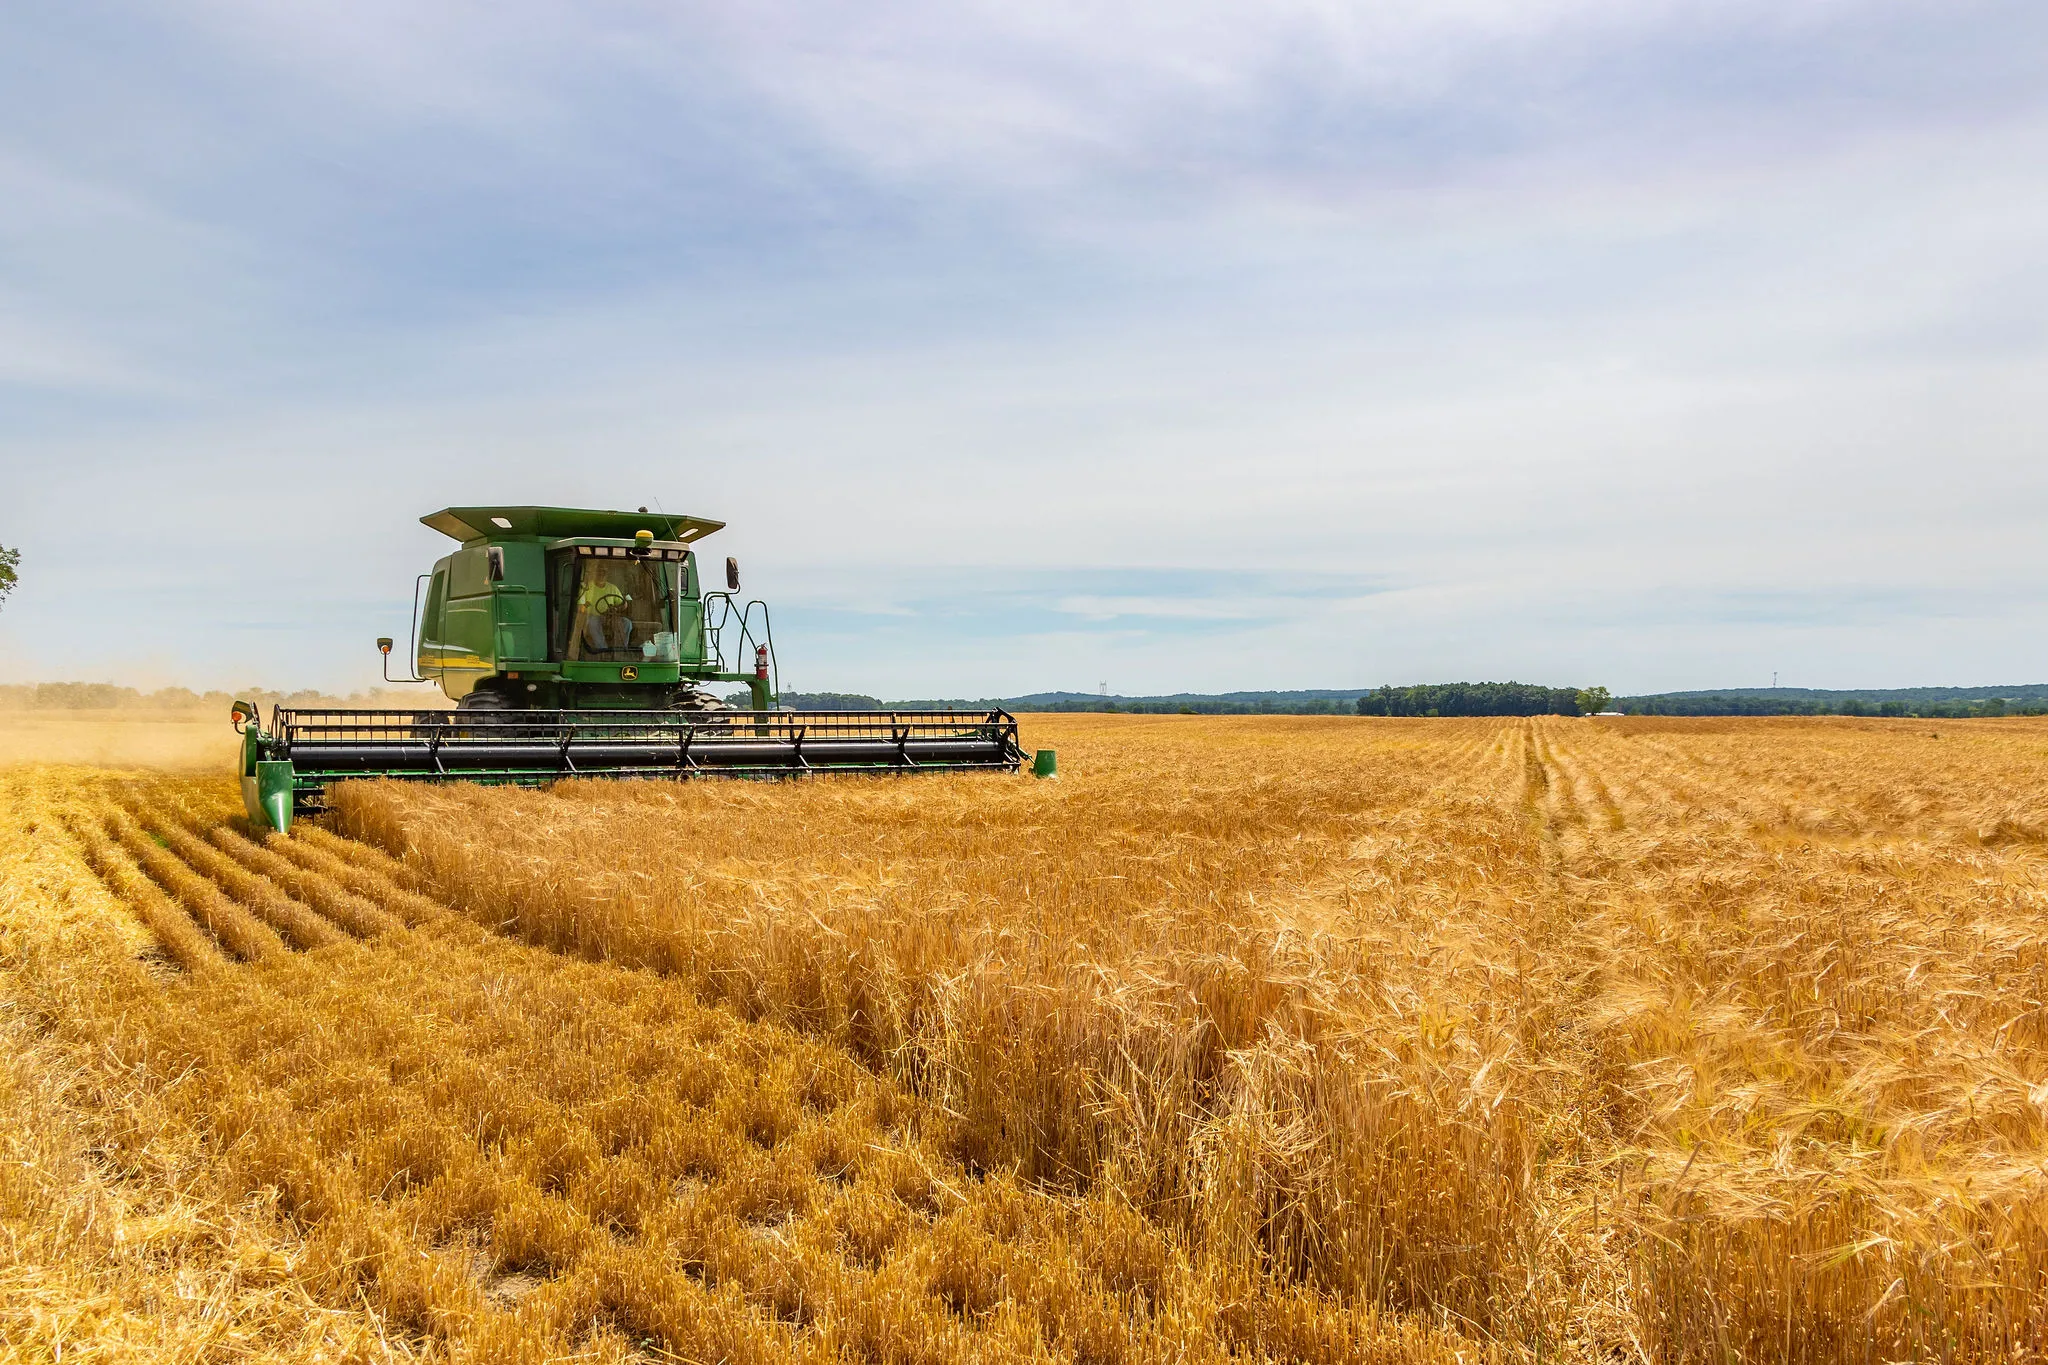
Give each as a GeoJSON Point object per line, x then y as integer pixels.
{"type": "Point", "coordinates": [1565, 326]}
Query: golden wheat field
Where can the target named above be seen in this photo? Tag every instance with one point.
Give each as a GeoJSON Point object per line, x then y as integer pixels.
{"type": "Point", "coordinates": [1250, 1039]}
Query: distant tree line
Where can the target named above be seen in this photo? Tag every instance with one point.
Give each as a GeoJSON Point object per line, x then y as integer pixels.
{"type": "Point", "coordinates": [816, 701]}
{"type": "Point", "coordinates": [1129, 706]}
{"type": "Point", "coordinates": [1956, 709]}
{"type": "Point", "coordinates": [103, 696]}
{"type": "Point", "coordinates": [1437, 699]}
{"type": "Point", "coordinates": [106, 696]}
{"type": "Point", "coordinates": [1480, 699]}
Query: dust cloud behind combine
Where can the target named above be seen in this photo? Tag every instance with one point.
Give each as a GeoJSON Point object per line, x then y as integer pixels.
{"type": "Point", "coordinates": [177, 741]}
{"type": "Point", "coordinates": [1251, 1038]}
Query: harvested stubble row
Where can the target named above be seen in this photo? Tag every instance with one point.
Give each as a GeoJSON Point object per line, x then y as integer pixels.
{"type": "Point", "coordinates": [498, 1153]}
{"type": "Point", "coordinates": [1096, 993]}
{"type": "Point", "coordinates": [1298, 1039]}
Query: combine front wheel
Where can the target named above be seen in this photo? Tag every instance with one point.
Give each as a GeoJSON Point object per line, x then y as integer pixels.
{"type": "Point", "coordinates": [486, 715]}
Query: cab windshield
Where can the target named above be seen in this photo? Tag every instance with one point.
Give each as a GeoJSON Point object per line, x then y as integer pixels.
{"type": "Point", "coordinates": [622, 609]}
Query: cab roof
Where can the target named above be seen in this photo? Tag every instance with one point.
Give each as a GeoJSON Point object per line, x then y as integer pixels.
{"type": "Point", "coordinates": [555, 523]}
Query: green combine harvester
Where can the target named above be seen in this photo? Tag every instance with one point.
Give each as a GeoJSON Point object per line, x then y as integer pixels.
{"type": "Point", "coordinates": [580, 644]}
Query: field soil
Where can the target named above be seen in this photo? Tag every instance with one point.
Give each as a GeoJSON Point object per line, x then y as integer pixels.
{"type": "Point", "coordinates": [1249, 1039]}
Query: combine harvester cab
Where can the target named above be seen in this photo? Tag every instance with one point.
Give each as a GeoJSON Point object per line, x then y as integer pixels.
{"type": "Point", "coordinates": [579, 644]}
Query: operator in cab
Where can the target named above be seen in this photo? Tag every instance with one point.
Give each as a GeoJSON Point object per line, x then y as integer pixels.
{"type": "Point", "coordinates": [602, 605]}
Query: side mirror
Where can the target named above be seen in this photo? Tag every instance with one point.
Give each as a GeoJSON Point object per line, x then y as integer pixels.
{"type": "Point", "coordinates": [732, 574]}
{"type": "Point", "coordinates": [383, 644]}
{"type": "Point", "coordinates": [495, 555]}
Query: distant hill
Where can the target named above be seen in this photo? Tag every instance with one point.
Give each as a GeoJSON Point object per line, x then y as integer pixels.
{"type": "Point", "coordinates": [1486, 699]}
{"type": "Point", "coordinates": [1451, 698]}
{"type": "Point", "coordinates": [817, 701]}
{"type": "Point", "coordinates": [2010, 699]}
{"type": "Point", "coordinates": [1314, 701]}
{"type": "Point", "coordinates": [106, 696]}
{"type": "Point", "coordinates": [2010, 692]}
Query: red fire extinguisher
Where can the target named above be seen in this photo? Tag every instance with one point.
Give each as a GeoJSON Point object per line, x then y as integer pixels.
{"type": "Point", "coordinates": [761, 661]}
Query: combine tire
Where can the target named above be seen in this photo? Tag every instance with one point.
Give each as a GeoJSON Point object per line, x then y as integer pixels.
{"type": "Point", "coordinates": [487, 714]}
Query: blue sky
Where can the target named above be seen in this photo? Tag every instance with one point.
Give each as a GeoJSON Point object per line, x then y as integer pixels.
{"type": "Point", "coordinates": [1187, 347]}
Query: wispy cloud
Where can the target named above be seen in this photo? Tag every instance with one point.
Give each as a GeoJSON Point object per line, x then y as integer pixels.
{"type": "Point", "coordinates": [1467, 336]}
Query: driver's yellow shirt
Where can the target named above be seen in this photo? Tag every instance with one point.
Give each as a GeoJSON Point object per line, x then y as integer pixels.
{"type": "Point", "coordinates": [601, 597]}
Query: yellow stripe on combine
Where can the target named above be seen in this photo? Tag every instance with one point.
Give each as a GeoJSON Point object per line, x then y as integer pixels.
{"type": "Point", "coordinates": [453, 658]}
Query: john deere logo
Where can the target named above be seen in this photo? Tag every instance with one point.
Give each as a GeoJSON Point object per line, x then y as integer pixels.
{"type": "Point", "coordinates": [628, 673]}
